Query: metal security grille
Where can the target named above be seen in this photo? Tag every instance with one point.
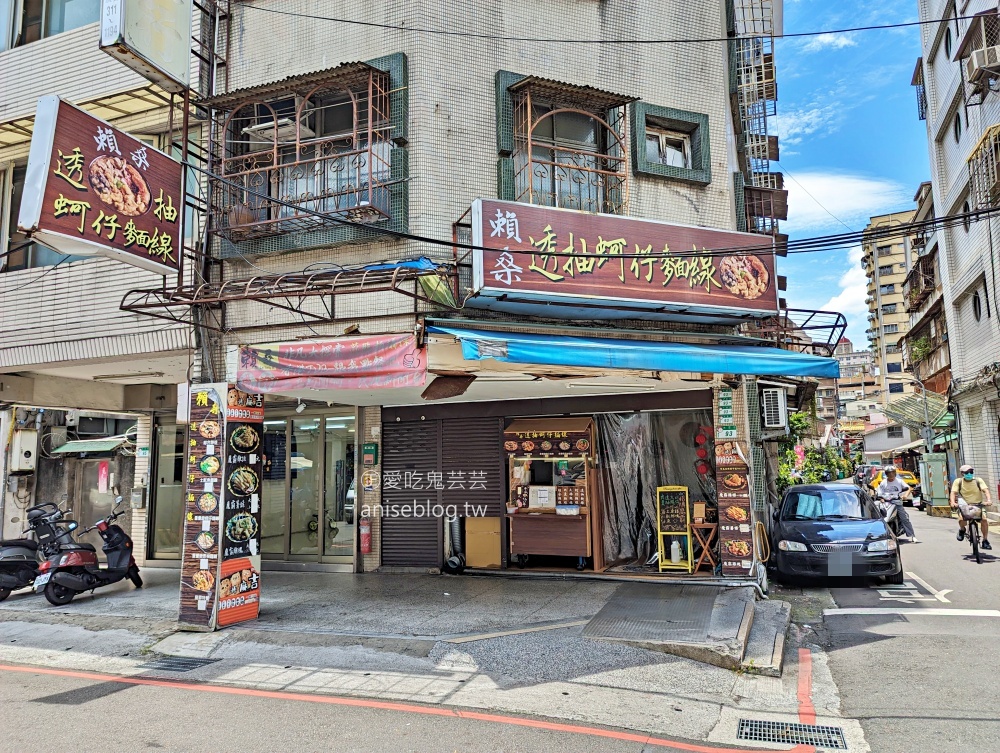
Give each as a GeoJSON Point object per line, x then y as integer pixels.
{"type": "Point", "coordinates": [838, 547]}
{"type": "Point", "coordinates": [790, 733]}
{"type": "Point", "coordinates": [177, 664]}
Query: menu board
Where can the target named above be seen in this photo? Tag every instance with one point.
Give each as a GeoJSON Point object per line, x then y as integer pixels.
{"type": "Point", "coordinates": [735, 532]}
{"type": "Point", "coordinates": [547, 443]}
{"type": "Point", "coordinates": [220, 563]}
{"type": "Point", "coordinates": [671, 504]}
{"type": "Point", "coordinates": [239, 576]}
{"type": "Point", "coordinates": [203, 505]}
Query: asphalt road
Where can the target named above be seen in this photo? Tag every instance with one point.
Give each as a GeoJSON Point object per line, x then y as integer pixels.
{"type": "Point", "coordinates": [917, 670]}
{"type": "Point", "coordinates": [48, 709]}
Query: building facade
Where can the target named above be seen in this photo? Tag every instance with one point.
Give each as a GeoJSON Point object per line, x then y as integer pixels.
{"type": "Point", "coordinates": [414, 242]}
{"type": "Point", "coordinates": [74, 367]}
{"type": "Point", "coordinates": [885, 255]}
{"type": "Point", "coordinates": [955, 83]}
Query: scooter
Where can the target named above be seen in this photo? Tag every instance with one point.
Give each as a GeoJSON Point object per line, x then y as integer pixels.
{"type": "Point", "coordinates": [20, 558]}
{"type": "Point", "coordinates": [75, 569]}
{"type": "Point", "coordinates": [890, 513]}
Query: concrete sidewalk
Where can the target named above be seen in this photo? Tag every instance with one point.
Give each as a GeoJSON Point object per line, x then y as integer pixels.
{"type": "Point", "coordinates": [509, 644]}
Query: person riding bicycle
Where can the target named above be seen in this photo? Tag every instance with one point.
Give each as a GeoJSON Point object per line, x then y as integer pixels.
{"type": "Point", "coordinates": [891, 489]}
{"type": "Point", "coordinates": [975, 492]}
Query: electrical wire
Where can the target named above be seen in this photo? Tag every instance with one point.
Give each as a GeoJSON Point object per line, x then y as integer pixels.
{"type": "Point", "coordinates": [629, 41]}
{"type": "Point", "coordinates": [31, 282]}
{"type": "Point", "coordinates": [816, 244]}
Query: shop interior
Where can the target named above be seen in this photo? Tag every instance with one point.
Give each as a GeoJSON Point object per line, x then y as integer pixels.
{"type": "Point", "coordinates": [613, 492]}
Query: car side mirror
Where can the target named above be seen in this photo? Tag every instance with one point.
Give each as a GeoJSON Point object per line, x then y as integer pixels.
{"type": "Point", "coordinates": [776, 515]}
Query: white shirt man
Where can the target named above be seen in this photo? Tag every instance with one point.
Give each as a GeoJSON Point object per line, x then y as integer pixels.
{"type": "Point", "coordinates": [892, 489]}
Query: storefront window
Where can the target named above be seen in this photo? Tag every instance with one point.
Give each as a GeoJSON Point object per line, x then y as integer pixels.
{"type": "Point", "coordinates": [168, 510]}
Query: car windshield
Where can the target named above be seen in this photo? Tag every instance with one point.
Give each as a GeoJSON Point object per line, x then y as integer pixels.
{"type": "Point", "coordinates": [822, 504]}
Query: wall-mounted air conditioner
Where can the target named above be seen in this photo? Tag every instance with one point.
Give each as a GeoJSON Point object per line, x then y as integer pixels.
{"type": "Point", "coordinates": [982, 63]}
{"type": "Point", "coordinates": [774, 406]}
{"type": "Point", "coordinates": [276, 121]}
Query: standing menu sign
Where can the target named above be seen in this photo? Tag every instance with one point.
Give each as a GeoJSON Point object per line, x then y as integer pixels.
{"type": "Point", "coordinates": [220, 569]}
{"type": "Point", "coordinates": [733, 490]}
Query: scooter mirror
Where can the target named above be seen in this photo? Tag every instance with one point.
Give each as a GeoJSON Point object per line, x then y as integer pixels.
{"type": "Point", "coordinates": [118, 501]}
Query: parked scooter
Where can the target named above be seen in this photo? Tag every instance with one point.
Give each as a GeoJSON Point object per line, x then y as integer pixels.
{"type": "Point", "coordinates": [75, 569]}
{"type": "Point", "coordinates": [20, 558]}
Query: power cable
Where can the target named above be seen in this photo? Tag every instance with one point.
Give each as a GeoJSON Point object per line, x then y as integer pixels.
{"type": "Point", "coordinates": [806, 192]}
{"type": "Point", "coordinates": [31, 282]}
{"type": "Point", "coordinates": [815, 244]}
{"type": "Point", "coordinates": [555, 40]}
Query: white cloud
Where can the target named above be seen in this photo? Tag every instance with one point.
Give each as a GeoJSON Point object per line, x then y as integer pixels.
{"type": "Point", "coordinates": [792, 126]}
{"type": "Point", "coordinates": [828, 41]}
{"type": "Point", "coordinates": [814, 196]}
{"type": "Point", "coordinates": [850, 301]}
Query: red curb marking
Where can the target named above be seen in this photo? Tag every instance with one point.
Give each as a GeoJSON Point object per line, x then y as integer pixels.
{"type": "Point", "coordinates": [807, 712]}
{"type": "Point", "coordinates": [405, 707]}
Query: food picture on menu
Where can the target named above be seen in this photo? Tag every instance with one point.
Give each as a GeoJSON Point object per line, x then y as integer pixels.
{"type": "Point", "coordinates": [120, 185]}
{"type": "Point", "coordinates": [208, 503]}
{"type": "Point", "coordinates": [210, 429]}
{"type": "Point", "coordinates": [245, 438]}
{"type": "Point", "coordinates": [243, 481]}
{"type": "Point", "coordinates": [737, 514]}
{"type": "Point", "coordinates": [241, 527]}
{"type": "Point", "coordinates": [210, 465]}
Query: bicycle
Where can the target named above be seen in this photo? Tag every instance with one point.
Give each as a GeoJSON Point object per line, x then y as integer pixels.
{"type": "Point", "coordinates": [972, 514]}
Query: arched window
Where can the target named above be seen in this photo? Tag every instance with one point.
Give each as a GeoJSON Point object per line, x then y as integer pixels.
{"type": "Point", "coordinates": [569, 148]}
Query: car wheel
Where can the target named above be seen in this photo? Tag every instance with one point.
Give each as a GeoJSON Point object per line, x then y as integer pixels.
{"type": "Point", "coordinates": [898, 578]}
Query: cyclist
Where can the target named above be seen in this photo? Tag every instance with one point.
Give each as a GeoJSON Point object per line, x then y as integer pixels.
{"type": "Point", "coordinates": [975, 492]}
{"type": "Point", "coordinates": [890, 490]}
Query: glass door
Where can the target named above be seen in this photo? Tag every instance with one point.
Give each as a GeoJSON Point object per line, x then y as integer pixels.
{"type": "Point", "coordinates": [169, 473]}
{"type": "Point", "coordinates": [339, 493]}
{"type": "Point", "coordinates": [307, 499]}
{"type": "Point", "coordinates": [304, 473]}
{"type": "Point", "coordinates": [274, 493]}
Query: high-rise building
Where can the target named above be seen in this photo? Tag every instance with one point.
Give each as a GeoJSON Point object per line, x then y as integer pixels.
{"type": "Point", "coordinates": [886, 248]}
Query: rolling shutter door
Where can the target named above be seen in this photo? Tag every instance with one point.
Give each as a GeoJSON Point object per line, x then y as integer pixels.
{"type": "Point", "coordinates": [473, 465]}
{"type": "Point", "coordinates": [411, 450]}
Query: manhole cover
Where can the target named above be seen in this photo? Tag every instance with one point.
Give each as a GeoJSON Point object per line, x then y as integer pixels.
{"type": "Point", "coordinates": [177, 664]}
{"type": "Point", "coordinates": [792, 733]}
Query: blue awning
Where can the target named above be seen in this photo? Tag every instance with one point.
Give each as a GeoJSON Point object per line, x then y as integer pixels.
{"type": "Point", "coordinates": [641, 355]}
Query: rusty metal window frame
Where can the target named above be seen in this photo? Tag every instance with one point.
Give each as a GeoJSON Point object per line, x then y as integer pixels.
{"type": "Point", "coordinates": [343, 175]}
{"type": "Point", "coordinates": [593, 180]}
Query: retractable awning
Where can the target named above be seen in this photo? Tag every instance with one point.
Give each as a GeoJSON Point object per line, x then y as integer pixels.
{"type": "Point", "coordinates": [643, 355]}
{"type": "Point", "coordinates": [105, 444]}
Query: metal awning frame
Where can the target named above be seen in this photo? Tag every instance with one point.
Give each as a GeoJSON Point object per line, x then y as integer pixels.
{"type": "Point", "coordinates": [287, 292]}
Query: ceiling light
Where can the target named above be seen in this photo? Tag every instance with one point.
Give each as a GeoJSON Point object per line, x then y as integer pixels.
{"type": "Point", "coordinates": [300, 407]}
{"type": "Point", "coordinates": [136, 375]}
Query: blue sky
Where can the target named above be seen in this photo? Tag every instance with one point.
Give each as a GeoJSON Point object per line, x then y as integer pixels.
{"type": "Point", "coordinates": [851, 144]}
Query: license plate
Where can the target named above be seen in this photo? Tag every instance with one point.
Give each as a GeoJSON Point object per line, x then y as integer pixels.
{"type": "Point", "coordinates": [41, 580]}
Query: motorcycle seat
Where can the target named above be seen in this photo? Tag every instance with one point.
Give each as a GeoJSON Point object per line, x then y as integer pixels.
{"type": "Point", "coordinates": [79, 545]}
{"type": "Point", "coordinates": [25, 543]}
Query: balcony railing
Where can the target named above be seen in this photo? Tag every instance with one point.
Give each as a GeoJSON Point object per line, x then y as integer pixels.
{"type": "Point", "coordinates": [918, 286]}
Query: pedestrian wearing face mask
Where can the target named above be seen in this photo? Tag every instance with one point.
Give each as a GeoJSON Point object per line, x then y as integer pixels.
{"type": "Point", "coordinates": [974, 491]}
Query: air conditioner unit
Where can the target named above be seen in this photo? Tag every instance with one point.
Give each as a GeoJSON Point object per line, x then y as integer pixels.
{"type": "Point", "coordinates": [981, 63]}
{"type": "Point", "coordinates": [285, 131]}
{"type": "Point", "coordinates": [774, 407]}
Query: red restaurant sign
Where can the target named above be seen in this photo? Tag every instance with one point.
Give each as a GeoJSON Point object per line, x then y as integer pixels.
{"type": "Point", "coordinates": [346, 363]}
{"type": "Point", "coordinates": [542, 254]}
{"type": "Point", "coordinates": [92, 190]}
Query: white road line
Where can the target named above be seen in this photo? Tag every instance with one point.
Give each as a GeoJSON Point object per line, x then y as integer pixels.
{"type": "Point", "coordinates": [939, 595]}
{"type": "Point", "coordinates": [933, 612]}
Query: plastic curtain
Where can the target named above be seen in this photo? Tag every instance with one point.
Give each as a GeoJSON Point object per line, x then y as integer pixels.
{"type": "Point", "coordinates": [638, 453]}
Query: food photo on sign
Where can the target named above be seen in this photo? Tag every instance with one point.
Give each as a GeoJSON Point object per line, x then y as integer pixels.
{"type": "Point", "coordinates": [94, 190]}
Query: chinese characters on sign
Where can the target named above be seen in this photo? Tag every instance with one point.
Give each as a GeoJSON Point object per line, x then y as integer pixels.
{"type": "Point", "coordinates": [532, 249]}
{"type": "Point", "coordinates": [99, 191]}
{"type": "Point", "coordinates": [220, 564]}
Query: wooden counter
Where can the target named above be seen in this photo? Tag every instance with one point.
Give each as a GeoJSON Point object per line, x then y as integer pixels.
{"type": "Point", "coordinates": [546, 533]}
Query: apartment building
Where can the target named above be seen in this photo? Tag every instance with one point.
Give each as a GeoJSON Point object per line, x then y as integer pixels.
{"type": "Point", "coordinates": [83, 382]}
{"type": "Point", "coordinates": [956, 83]}
{"type": "Point", "coordinates": [416, 242]}
{"type": "Point", "coordinates": [885, 254]}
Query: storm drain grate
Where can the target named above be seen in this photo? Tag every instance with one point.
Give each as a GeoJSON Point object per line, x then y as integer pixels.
{"type": "Point", "coordinates": [792, 733]}
{"type": "Point", "coordinates": [177, 664]}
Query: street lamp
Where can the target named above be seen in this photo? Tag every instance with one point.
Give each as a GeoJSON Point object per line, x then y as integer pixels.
{"type": "Point", "coordinates": [926, 433]}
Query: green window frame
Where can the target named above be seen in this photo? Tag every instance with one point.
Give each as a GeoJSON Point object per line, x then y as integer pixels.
{"type": "Point", "coordinates": [645, 117]}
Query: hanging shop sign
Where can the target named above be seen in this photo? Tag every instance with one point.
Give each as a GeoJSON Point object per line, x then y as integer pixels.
{"type": "Point", "coordinates": [93, 190]}
{"type": "Point", "coordinates": [152, 37]}
{"type": "Point", "coordinates": [220, 569]}
{"type": "Point", "coordinates": [347, 363]}
{"type": "Point", "coordinates": [539, 255]}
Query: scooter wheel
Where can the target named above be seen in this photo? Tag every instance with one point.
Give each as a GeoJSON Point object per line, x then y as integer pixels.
{"type": "Point", "coordinates": [133, 575]}
{"type": "Point", "coordinates": [4, 593]}
{"type": "Point", "coordinates": [59, 595]}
